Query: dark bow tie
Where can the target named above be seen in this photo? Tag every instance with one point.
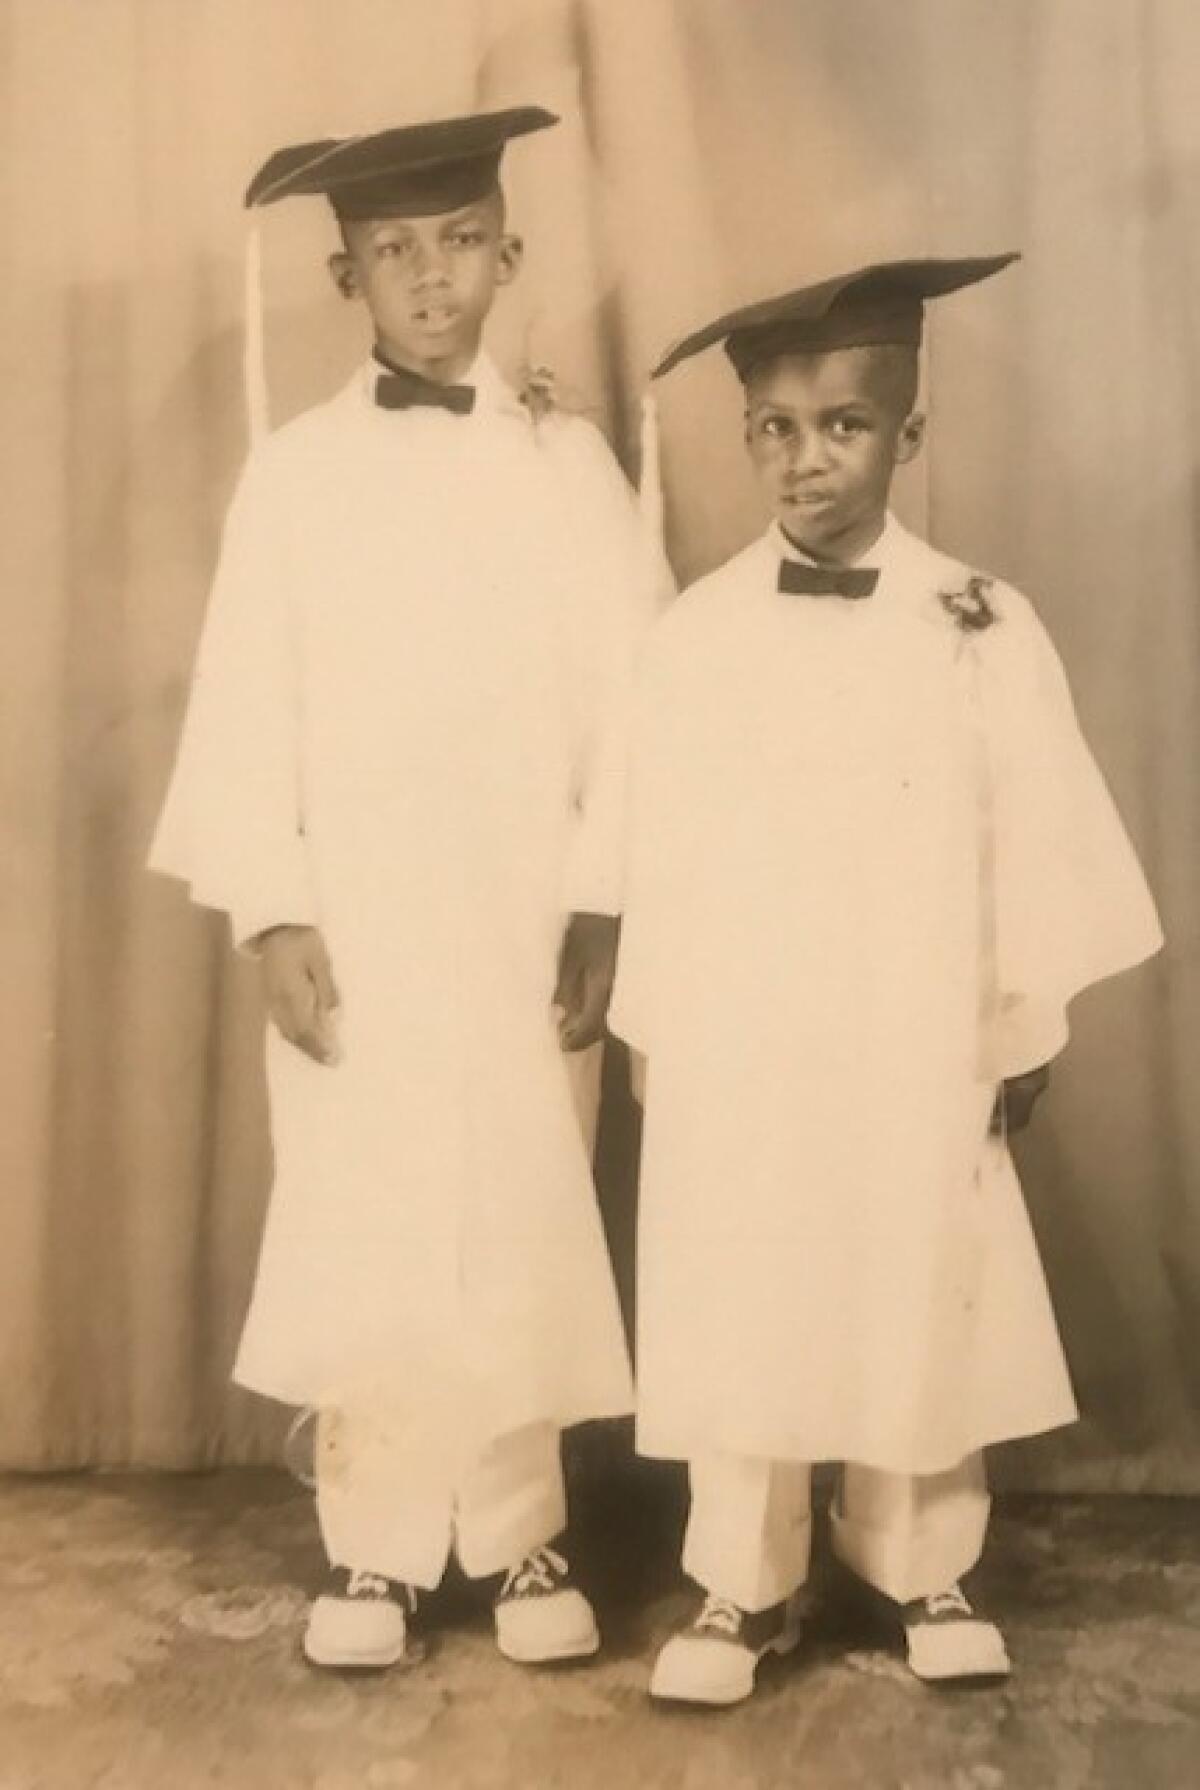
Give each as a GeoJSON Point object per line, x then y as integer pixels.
{"type": "Point", "coordinates": [400, 390]}
{"type": "Point", "coordinates": [798, 579]}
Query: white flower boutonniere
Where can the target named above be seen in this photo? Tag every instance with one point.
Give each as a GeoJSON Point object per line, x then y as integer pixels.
{"type": "Point", "coordinates": [538, 391]}
{"type": "Point", "coordinates": [971, 608]}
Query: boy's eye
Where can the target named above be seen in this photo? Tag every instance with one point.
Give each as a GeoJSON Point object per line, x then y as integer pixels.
{"type": "Point", "coordinates": [467, 239]}
{"type": "Point", "coordinates": [844, 428]}
{"type": "Point", "coordinates": [776, 428]}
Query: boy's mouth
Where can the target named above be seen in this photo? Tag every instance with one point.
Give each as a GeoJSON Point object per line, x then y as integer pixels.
{"type": "Point", "coordinates": [435, 315]}
{"type": "Point", "coordinates": [808, 499]}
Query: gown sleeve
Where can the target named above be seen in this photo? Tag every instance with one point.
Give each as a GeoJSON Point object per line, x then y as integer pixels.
{"type": "Point", "coordinates": [1072, 903]}
{"type": "Point", "coordinates": [648, 861]}
{"type": "Point", "coordinates": [232, 826]}
{"type": "Point", "coordinates": [624, 583]}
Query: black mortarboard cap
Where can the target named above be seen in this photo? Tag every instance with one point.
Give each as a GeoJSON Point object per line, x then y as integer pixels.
{"type": "Point", "coordinates": [417, 170]}
{"type": "Point", "coordinates": [880, 304]}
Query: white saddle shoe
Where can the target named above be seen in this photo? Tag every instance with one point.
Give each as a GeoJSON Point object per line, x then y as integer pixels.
{"type": "Point", "coordinates": [541, 1618]}
{"type": "Point", "coordinates": [361, 1620]}
{"type": "Point", "coordinates": [949, 1644]}
{"type": "Point", "coordinates": [715, 1659]}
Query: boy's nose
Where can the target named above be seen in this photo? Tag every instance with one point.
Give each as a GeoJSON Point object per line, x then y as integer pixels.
{"type": "Point", "coordinates": [807, 452]}
{"type": "Point", "coordinates": [430, 267]}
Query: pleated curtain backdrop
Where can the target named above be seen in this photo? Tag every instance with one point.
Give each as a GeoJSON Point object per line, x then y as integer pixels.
{"type": "Point", "coordinates": [712, 151]}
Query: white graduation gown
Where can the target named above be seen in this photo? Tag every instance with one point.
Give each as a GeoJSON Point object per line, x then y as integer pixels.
{"type": "Point", "coordinates": [407, 728]}
{"type": "Point", "coordinates": [871, 861]}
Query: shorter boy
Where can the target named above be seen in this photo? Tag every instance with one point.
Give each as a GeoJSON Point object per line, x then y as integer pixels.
{"type": "Point", "coordinates": [871, 862]}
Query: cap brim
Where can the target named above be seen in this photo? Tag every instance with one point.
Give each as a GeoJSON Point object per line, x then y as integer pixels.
{"type": "Point", "coordinates": [902, 281]}
{"type": "Point", "coordinates": [339, 163]}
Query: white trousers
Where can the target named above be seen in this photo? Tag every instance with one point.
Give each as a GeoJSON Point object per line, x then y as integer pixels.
{"type": "Point", "coordinates": [382, 1511]}
{"type": "Point", "coordinates": [749, 1534]}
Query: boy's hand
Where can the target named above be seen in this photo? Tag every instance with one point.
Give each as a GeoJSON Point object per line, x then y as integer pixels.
{"type": "Point", "coordinates": [1017, 1098]}
{"type": "Point", "coordinates": [586, 967]}
{"type": "Point", "coordinates": [299, 988]}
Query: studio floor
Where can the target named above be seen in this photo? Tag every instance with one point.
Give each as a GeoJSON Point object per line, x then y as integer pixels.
{"type": "Point", "coordinates": [149, 1640]}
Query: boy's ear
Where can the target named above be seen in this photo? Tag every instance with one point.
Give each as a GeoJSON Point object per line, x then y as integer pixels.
{"type": "Point", "coordinates": [341, 272]}
{"type": "Point", "coordinates": [509, 259]}
{"type": "Point", "coordinates": [910, 438]}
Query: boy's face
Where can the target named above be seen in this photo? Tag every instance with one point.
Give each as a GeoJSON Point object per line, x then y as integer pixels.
{"type": "Point", "coordinates": [429, 282]}
{"type": "Point", "coordinates": [825, 434]}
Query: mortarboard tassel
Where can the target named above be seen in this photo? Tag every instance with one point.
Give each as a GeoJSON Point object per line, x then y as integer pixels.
{"type": "Point", "coordinates": [650, 493]}
{"type": "Point", "coordinates": [254, 370]}
{"type": "Point", "coordinates": [651, 507]}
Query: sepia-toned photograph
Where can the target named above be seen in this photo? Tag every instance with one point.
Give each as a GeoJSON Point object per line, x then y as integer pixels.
{"type": "Point", "coordinates": [600, 1156]}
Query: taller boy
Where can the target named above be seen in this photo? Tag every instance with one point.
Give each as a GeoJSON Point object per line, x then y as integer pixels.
{"type": "Point", "coordinates": [401, 775]}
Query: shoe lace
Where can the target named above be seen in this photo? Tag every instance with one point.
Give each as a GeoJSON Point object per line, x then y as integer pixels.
{"type": "Point", "coordinates": [949, 1603]}
{"type": "Point", "coordinates": [362, 1583]}
{"type": "Point", "coordinates": [540, 1571]}
{"type": "Point", "coordinates": [721, 1614]}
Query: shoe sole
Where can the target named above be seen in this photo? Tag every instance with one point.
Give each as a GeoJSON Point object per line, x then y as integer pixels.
{"type": "Point", "coordinates": [777, 1649]}
{"type": "Point", "coordinates": [965, 1681]}
{"type": "Point", "coordinates": [408, 1655]}
{"type": "Point", "coordinates": [561, 1656]}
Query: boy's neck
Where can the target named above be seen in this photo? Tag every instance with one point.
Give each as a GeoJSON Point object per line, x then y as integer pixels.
{"type": "Point", "coordinates": [843, 550]}
{"type": "Point", "coordinates": [443, 369]}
